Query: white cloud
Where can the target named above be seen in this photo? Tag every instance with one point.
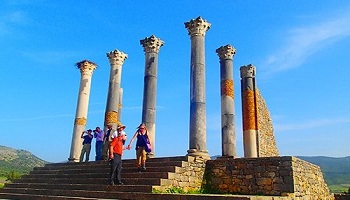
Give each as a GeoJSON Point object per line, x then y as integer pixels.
{"type": "Point", "coordinates": [10, 19]}
{"type": "Point", "coordinates": [49, 57]}
{"type": "Point", "coordinates": [305, 41]}
{"type": "Point", "coordinates": [35, 118]}
{"type": "Point", "coordinates": [16, 17]}
{"type": "Point", "coordinates": [310, 124]}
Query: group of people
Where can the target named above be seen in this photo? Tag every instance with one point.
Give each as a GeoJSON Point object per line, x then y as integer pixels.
{"type": "Point", "coordinates": [87, 136]}
{"type": "Point", "coordinates": [111, 146]}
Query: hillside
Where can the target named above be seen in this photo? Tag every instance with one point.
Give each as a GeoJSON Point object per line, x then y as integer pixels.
{"type": "Point", "coordinates": [336, 170]}
{"type": "Point", "coordinates": [17, 160]}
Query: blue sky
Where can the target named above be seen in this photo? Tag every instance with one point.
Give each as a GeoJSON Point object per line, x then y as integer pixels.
{"type": "Point", "coordinates": [301, 50]}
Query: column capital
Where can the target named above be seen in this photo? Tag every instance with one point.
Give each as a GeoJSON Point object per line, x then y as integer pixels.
{"type": "Point", "coordinates": [151, 44]}
{"type": "Point", "coordinates": [197, 26]}
{"type": "Point", "coordinates": [248, 71]}
{"type": "Point", "coordinates": [116, 57]}
{"type": "Point", "coordinates": [226, 52]}
{"type": "Point", "coordinates": [86, 67]}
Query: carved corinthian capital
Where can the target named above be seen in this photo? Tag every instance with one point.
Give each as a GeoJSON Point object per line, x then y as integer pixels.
{"type": "Point", "coordinates": [151, 44]}
{"type": "Point", "coordinates": [248, 71]}
{"type": "Point", "coordinates": [226, 52]}
{"type": "Point", "coordinates": [86, 67]}
{"type": "Point", "coordinates": [117, 57]}
{"type": "Point", "coordinates": [197, 26]}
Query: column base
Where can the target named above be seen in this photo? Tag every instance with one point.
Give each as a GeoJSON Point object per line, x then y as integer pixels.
{"type": "Point", "coordinates": [73, 160]}
{"type": "Point", "coordinates": [226, 157]}
{"type": "Point", "coordinates": [199, 154]}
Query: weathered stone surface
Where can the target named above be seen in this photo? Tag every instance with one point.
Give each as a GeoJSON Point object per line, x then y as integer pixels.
{"type": "Point", "coordinates": [281, 176]}
{"type": "Point", "coordinates": [267, 142]}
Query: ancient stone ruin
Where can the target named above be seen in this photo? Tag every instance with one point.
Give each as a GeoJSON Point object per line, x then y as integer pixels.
{"type": "Point", "coordinates": [261, 172]}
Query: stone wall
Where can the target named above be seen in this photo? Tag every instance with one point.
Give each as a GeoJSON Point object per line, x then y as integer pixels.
{"type": "Point", "coordinates": [278, 176]}
{"type": "Point", "coordinates": [341, 196]}
{"type": "Point", "coordinates": [308, 180]}
{"type": "Point", "coordinates": [188, 177]}
{"type": "Point", "coordinates": [266, 143]}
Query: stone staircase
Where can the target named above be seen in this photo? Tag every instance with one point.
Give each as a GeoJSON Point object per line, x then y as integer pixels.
{"type": "Point", "coordinates": [90, 181]}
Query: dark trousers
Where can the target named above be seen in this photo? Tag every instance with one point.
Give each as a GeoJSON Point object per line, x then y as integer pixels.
{"type": "Point", "coordinates": [105, 150]}
{"type": "Point", "coordinates": [98, 148]}
{"type": "Point", "coordinates": [116, 169]}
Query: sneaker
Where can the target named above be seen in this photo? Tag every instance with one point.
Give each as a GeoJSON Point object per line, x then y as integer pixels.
{"type": "Point", "coordinates": [139, 169]}
{"type": "Point", "coordinates": [111, 183]}
{"type": "Point", "coordinates": [120, 183]}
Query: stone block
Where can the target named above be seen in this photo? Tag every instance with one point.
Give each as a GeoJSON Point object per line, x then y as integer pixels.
{"type": "Point", "coordinates": [264, 181]}
{"type": "Point", "coordinates": [284, 188]}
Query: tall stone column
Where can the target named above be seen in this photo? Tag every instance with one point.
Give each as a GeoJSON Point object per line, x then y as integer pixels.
{"type": "Point", "coordinates": [228, 133]}
{"type": "Point", "coordinates": [120, 105]}
{"type": "Point", "coordinates": [86, 69]}
{"type": "Point", "coordinates": [151, 46]}
{"type": "Point", "coordinates": [249, 109]}
{"type": "Point", "coordinates": [116, 60]}
{"type": "Point", "coordinates": [197, 29]}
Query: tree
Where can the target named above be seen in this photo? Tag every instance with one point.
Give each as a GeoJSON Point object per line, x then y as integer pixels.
{"type": "Point", "coordinates": [13, 175]}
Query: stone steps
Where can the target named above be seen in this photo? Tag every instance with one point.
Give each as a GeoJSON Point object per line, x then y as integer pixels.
{"type": "Point", "coordinates": [134, 196]}
{"type": "Point", "coordinates": [153, 162]}
{"type": "Point", "coordinates": [111, 194]}
{"type": "Point", "coordinates": [146, 174]}
{"type": "Point", "coordinates": [89, 187]}
{"type": "Point", "coordinates": [103, 170]}
{"type": "Point", "coordinates": [14, 196]}
{"type": "Point", "coordinates": [91, 180]}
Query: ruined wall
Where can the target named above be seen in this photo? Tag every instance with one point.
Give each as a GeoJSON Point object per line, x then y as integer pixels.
{"type": "Point", "coordinates": [280, 176]}
{"type": "Point", "coordinates": [266, 141]}
{"type": "Point", "coordinates": [188, 176]}
{"type": "Point", "coordinates": [308, 180]}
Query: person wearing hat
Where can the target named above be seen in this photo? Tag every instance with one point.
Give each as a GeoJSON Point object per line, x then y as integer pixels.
{"type": "Point", "coordinates": [120, 130]}
{"type": "Point", "coordinates": [115, 154]}
{"type": "Point", "coordinates": [87, 136]}
{"type": "Point", "coordinates": [142, 146]}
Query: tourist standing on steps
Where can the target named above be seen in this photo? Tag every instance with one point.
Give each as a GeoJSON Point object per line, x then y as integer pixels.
{"type": "Point", "coordinates": [115, 154]}
{"type": "Point", "coordinates": [107, 141]}
{"type": "Point", "coordinates": [99, 135]}
{"type": "Point", "coordinates": [87, 136]}
{"type": "Point", "coordinates": [141, 146]}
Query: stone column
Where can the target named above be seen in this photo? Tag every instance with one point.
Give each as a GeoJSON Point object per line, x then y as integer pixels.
{"type": "Point", "coordinates": [197, 144]}
{"type": "Point", "coordinates": [86, 69]}
{"type": "Point", "coordinates": [120, 104]}
{"type": "Point", "coordinates": [249, 111]}
{"type": "Point", "coordinates": [116, 60]}
{"type": "Point", "coordinates": [151, 46]}
{"type": "Point", "coordinates": [228, 133]}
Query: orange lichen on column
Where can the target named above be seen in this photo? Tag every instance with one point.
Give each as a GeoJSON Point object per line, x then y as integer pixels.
{"type": "Point", "coordinates": [227, 88]}
{"type": "Point", "coordinates": [249, 111]}
{"type": "Point", "coordinates": [111, 117]}
{"type": "Point", "coordinates": [80, 121]}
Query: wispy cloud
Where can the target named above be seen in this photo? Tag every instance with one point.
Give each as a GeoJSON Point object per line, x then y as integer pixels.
{"type": "Point", "coordinates": [49, 57]}
{"type": "Point", "coordinates": [10, 19]}
{"type": "Point", "coordinates": [35, 118]}
{"type": "Point", "coordinates": [303, 42]}
{"type": "Point", "coordinates": [310, 124]}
